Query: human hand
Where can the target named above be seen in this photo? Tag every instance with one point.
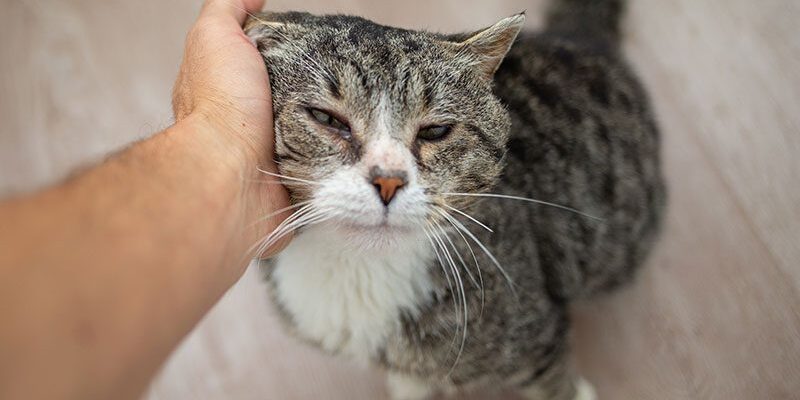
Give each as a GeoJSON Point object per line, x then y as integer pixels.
{"type": "Point", "coordinates": [223, 88]}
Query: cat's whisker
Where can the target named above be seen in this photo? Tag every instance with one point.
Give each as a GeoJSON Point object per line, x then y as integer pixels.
{"type": "Point", "coordinates": [276, 182]}
{"type": "Point", "coordinates": [305, 216]}
{"type": "Point", "coordinates": [282, 210]}
{"type": "Point", "coordinates": [305, 219]}
{"type": "Point", "coordinates": [488, 253]}
{"type": "Point", "coordinates": [453, 289]}
{"type": "Point", "coordinates": [541, 202]}
{"type": "Point", "coordinates": [471, 218]}
{"type": "Point", "coordinates": [455, 296]}
{"type": "Point", "coordinates": [290, 228]}
{"type": "Point", "coordinates": [449, 264]}
{"type": "Point", "coordinates": [465, 315]}
{"type": "Point", "coordinates": [463, 296]}
{"type": "Point", "coordinates": [251, 15]}
{"type": "Point", "coordinates": [458, 254]}
{"type": "Point", "coordinates": [264, 243]}
{"type": "Point", "coordinates": [287, 184]}
{"type": "Point", "coordinates": [448, 218]}
{"type": "Point", "coordinates": [428, 234]}
{"type": "Point", "coordinates": [446, 252]}
{"type": "Point", "coordinates": [435, 247]}
{"type": "Point", "coordinates": [257, 246]}
{"type": "Point", "coordinates": [290, 178]}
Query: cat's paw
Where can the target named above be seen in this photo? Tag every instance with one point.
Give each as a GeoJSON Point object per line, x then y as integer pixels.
{"type": "Point", "coordinates": [404, 387]}
{"type": "Point", "coordinates": [565, 389]}
{"type": "Point", "coordinates": [584, 390]}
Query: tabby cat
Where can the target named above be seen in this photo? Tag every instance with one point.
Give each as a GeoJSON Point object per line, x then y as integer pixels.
{"type": "Point", "coordinates": [454, 193]}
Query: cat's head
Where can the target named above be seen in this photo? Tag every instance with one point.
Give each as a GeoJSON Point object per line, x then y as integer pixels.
{"type": "Point", "coordinates": [383, 121]}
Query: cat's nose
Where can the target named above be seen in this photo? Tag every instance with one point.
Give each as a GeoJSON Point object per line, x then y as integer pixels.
{"type": "Point", "coordinates": [387, 183]}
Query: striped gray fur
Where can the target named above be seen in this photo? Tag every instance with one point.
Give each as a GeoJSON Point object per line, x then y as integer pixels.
{"type": "Point", "coordinates": [563, 120]}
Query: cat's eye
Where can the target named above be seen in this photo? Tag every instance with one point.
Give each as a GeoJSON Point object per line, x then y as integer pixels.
{"type": "Point", "coordinates": [433, 132]}
{"type": "Point", "coordinates": [330, 121]}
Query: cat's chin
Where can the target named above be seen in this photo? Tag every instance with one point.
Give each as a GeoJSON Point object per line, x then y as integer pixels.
{"type": "Point", "coordinates": [376, 236]}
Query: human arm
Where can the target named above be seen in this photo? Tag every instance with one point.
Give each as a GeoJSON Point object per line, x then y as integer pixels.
{"type": "Point", "coordinates": [102, 275]}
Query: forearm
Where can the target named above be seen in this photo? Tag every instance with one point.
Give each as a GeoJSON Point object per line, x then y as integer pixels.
{"type": "Point", "coordinates": [112, 268]}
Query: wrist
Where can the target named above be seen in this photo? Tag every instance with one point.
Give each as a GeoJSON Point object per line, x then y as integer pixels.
{"type": "Point", "coordinates": [220, 143]}
{"type": "Point", "coordinates": [258, 195]}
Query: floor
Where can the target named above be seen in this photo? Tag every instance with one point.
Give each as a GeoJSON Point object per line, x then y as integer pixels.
{"type": "Point", "coordinates": [716, 313]}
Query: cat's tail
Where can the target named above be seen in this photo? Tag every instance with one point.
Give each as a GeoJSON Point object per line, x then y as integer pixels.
{"type": "Point", "coordinates": [591, 19]}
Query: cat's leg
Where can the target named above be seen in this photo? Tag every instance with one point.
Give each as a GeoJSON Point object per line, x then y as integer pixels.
{"type": "Point", "coordinates": [405, 387]}
{"type": "Point", "coordinates": [558, 383]}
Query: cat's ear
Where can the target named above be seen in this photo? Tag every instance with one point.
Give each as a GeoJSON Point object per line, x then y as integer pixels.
{"type": "Point", "coordinates": [489, 46]}
{"type": "Point", "coordinates": [265, 34]}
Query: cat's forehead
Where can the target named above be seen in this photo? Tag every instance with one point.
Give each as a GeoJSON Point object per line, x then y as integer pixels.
{"type": "Point", "coordinates": [343, 38]}
{"type": "Point", "coordinates": [356, 30]}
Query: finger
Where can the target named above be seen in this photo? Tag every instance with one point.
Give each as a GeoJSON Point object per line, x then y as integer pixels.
{"type": "Point", "coordinates": [236, 9]}
{"type": "Point", "coordinates": [253, 5]}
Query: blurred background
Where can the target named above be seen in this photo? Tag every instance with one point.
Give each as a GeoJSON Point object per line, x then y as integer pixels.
{"type": "Point", "coordinates": [714, 315]}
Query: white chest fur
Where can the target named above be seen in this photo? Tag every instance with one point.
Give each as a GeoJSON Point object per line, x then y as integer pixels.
{"type": "Point", "coordinates": [349, 300]}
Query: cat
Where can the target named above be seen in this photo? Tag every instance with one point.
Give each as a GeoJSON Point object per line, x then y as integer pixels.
{"type": "Point", "coordinates": [454, 193]}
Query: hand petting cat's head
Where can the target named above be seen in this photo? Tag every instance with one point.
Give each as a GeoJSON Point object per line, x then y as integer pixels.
{"type": "Point", "coordinates": [377, 124]}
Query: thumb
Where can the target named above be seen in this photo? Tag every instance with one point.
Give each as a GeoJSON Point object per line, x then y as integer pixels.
{"type": "Point", "coordinates": [236, 9]}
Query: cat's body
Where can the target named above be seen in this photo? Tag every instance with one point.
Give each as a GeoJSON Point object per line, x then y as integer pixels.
{"type": "Point", "coordinates": [395, 291]}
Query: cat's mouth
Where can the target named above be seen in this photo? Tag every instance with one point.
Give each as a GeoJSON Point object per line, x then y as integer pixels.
{"type": "Point", "coordinates": [384, 227]}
